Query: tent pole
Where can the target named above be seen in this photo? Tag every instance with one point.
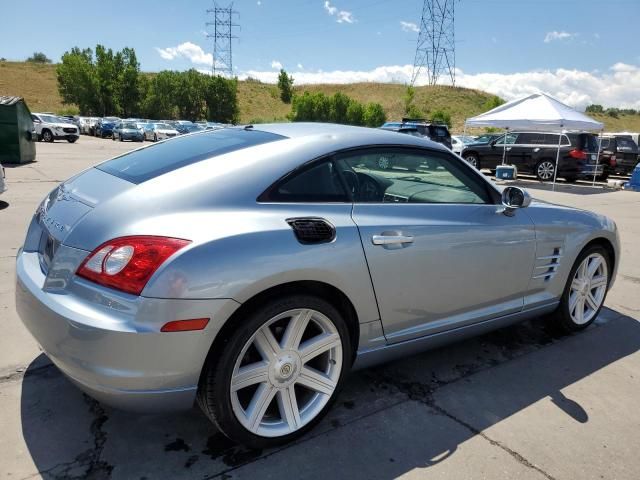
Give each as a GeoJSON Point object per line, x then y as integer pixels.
{"type": "Point", "coordinates": [504, 147]}
{"type": "Point", "coordinates": [555, 170]}
{"type": "Point", "coordinates": [597, 159]}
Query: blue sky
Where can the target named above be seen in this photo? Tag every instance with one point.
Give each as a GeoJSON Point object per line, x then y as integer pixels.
{"type": "Point", "coordinates": [347, 40]}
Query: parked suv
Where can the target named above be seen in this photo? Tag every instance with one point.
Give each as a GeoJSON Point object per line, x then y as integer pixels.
{"type": "Point", "coordinates": [105, 126]}
{"type": "Point", "coordinates": [49, 128]}
{"type": "Point", "coordinates": [437, 132]}
{"type": "Point", "coordinates": [535, 153]}
{"type": "Point", "coordinates": [620, 154]}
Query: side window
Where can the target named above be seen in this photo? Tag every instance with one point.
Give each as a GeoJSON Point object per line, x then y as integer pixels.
{"type": "Point", "coordinates": [527, 138]}
{"type": "Point", "coordinates": [410, 176]}
{"type": "Point", "coordinates": [319, 183]}
{"type": "Point", "coordinates": [511, 139]}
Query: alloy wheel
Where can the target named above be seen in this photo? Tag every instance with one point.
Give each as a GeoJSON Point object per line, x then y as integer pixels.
{"type": "Point", "coordinates": [588, 288]}
{"type": "Point", "coordinates": [286, 373]}
{"type": "Point", "coordinates": [472, 160]}
{"type": "Point", "coordinates": [545, 170]}
{"type": "Point", "coordinates": [46, 136]}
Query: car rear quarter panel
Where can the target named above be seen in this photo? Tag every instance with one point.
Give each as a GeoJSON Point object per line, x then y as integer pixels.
{"type": "Point", "coordinates": [249, 252]}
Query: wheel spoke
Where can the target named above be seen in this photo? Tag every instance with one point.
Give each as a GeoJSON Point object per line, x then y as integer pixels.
{"type": "Point", "coordinates": [318, 345]}
{"type": "Point", "coordinates": [259, 404]}
{"type": "Point", "coordinates": [266, 343]}
{"type": "Point", "coordinates": [295, 329]}
{"type": "Point", "coordinates": [573, 301]}
{"type": "Point", "coordinates": [592, 302]}
{"type": "Point", "coordinates": [288, 406]}
{"type": "Point", "coordinates": [593, 266]}
{"type": "Point", "coordinates": [598, 281]}
{"type": "Point", "coordinates": [582, 271]}
{"type": "Point", "coordinates": [579, 313]}
{"type": "Point", "coordinates": [317, 381]}
{"type": "Point", "coordinates": [249, 375]}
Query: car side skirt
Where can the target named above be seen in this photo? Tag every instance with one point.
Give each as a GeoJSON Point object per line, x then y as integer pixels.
{"type": "Point", "coordinates": [386, 353]}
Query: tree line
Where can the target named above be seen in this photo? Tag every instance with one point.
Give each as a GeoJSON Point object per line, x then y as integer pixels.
{"type": "Point", "coordinates": [108, 83]}
{"type": "Point", "coordinates": [337, 108]}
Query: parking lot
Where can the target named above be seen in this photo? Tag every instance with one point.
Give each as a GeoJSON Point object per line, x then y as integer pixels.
{"type": "Point", "coordinates": [516, 403]}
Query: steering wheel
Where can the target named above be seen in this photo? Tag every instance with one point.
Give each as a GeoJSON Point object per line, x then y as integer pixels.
{"type": "Point", "coordinates": [370, 190]}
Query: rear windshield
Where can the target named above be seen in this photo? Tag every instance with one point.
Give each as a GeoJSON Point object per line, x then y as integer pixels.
{"type": "Point", "coordinates": [141, 165]}
{"type": "Point", "coordinates": [626, 144]}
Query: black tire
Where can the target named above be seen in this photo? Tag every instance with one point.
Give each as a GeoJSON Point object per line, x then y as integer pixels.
{"type": "Point", "coordinates": [543, 167]}
{"type": "Point", "coordinates": [472, 159]}
{"type": "Point", "coordinates": [120, 137]}
{"type": "Point", "coordinates": [214, 395]}
{"type": "Point", "coordinates": [47, 136]}
{"type": "Point", "coordinates": [72, 139]}
{"type": "Point", "coordinates": [571, 179]}
{"type": "Point", "coordinates": [561, 319]}
{"type": "Point", "coordinates": [603, 178]}
{"type": "Point", "coordinates": [113, 137]}
{"type": "Point", "coordinates": [155, 137]}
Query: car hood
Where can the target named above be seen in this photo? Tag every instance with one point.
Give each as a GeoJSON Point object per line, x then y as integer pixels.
{"type": "Point", "coordinates": [166, 130]}
{"type": "Point", "coordinates": [63, 125]}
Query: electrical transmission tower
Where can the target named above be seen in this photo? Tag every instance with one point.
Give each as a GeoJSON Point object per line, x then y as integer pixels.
{"type": "Point", "coordinates": [222, 37]}
{"type": "Point", "coordinates": [436, 49]}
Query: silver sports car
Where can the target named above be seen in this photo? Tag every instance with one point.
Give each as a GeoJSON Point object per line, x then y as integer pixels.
{"type": "Point", "coordinates": [252, 268]}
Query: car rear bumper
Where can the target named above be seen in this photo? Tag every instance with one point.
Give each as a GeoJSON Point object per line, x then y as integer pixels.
{"type": "Point", "coordinates": [119, 357]}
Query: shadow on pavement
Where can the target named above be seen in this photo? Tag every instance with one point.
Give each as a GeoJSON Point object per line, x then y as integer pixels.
{"type": "Point", "coordinates": [3, 205]}
{"type": "Point", "coordinates": [388, 420]}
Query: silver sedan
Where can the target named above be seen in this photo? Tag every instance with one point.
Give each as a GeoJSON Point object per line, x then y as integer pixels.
{"type": "Point", "coordinates": [252, 268]}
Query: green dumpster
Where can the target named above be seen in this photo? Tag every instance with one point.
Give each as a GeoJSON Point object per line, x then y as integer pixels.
{"type": "Point", "coordinates": [17, 135]}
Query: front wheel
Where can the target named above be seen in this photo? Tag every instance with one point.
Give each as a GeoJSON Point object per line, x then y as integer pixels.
{"type": "Point", "coordinates": [155, 137]}
{"type": "Point", "coordinates": [72, 139]}
{"type": "Point", "coordinates": [545, 170]}
{"type": "Point", "coordinates": [47, 136]}
{"type": "Point", "coordinates": [278, 373]}
{"type": "Point", "coordinates": [585, 291]}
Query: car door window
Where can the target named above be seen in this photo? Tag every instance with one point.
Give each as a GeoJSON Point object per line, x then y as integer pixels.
{"type": "Point", "coordinates": [511, 139]}
{"type": "Point", "coordinates": [318, 183]}
{"type": "Point", "coordinates": [411, 176]}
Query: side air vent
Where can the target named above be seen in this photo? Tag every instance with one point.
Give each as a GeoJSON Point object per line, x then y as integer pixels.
{"type": "Point", "coordinates": [547, 266]}
{"type": "Point", "coordinates": [312, 230]}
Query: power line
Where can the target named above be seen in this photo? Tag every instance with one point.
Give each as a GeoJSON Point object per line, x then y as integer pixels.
{"type": "Point", "coordinates": [436, 49]}
{"type": "Point", "coordinates": [222, 38]}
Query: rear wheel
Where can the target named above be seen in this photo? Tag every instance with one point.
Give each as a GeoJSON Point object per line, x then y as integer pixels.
{"type": "Point", "coordinates": [278, 373]}
{"type": "Point", "coordinates": [571, 179]}
{"type": "Point", "coordinates": [472, 159]}
{"type": "Point", "coordinates": [585, 291]}
{"type": "Point", "coordinates": [545, 170]}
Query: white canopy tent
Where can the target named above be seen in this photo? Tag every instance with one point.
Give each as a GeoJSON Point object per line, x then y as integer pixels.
{"type": "Point", "coordinates": [536, 112]}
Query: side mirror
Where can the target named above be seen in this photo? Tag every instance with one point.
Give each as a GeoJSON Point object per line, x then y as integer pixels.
{"type": "Point", "coordinates": [514, 198]}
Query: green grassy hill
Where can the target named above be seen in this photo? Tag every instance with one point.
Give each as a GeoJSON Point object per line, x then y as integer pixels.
{"type": "Point", "coordinates": [260, 102]}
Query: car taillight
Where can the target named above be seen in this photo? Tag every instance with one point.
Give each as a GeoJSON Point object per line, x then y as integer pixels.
{"type": "Point", "coordinates": [613, 161]}
{"type": "Point", "coordinates": [127, 263]}
{"type": "Point", "coordinates": [578, 154]}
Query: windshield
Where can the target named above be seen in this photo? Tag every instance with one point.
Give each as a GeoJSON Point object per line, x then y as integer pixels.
{"type": "Point", "coordinates": [144, 164]}
{"type": "Point", "coordinates": [164, 126]}
{"type": "Point", "coordinates": [131, 126]}
{"type": "Point", "coordinates": [52, 119]}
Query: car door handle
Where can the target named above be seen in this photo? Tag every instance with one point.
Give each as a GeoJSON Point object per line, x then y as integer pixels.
{"type": "Point", "coordinates": [391, 239]}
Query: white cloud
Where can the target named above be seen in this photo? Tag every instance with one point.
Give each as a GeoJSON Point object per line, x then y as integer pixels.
{"type": "Point", "coordinates": [342, 16]}
{"type": "Point", "coordinates": [300, 66]}
{"type": "Point", "coordinates": [276, 64]}
{"type": "Point", "coordinates": [552, 36]}
{"type": "Point", "coordinates": [259, 2]}
{"type": "Point", "coordinates": [616, 87]}
{"type": "Point", "coordinates": [330, 10]}
{"type": "Point", "coordinates": [409, 27]}
{"type": "Point", "coordinates": [192, 52]}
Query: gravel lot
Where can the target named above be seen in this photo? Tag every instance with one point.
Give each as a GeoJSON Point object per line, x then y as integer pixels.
{"type": "Point", "coordinates": [516, 403]}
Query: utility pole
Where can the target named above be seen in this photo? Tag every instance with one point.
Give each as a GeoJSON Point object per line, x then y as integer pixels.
{"type": "Point", "coordinates": [222, 36]}
{"type": "Point", "coordinates": [436, 48]}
